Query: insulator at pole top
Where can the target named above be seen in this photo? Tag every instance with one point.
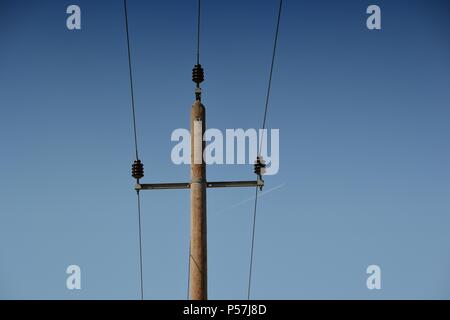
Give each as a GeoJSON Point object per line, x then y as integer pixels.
{"type": "Point", "coordinates": [198, 76]}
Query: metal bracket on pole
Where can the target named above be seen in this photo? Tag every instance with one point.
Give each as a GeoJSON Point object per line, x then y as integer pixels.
{"type": "Point", "coordinates": [236, 184]}
{"type": "Point", "coordinates": [187, 185]}
{"type": "Point", "coordinates": [162, 186]}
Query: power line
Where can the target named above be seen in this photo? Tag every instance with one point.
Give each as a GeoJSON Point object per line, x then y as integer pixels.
{"type": "Point", "coordinates": [198, 31]}
{"type": "Point", "coordinates": [269, 86]}
{"type": "Point", "coordinates": [189, 271]}
{"type": "Point", "coordinates": [140, 246]}
{"type": "Point", "coordinates": [261, 144]}
{"type": "Point", "coordinates": [137, 162]}
{"type": "Point", "coordinates": [253, 244]}
{"type": "Point", "coordinates": [130, 70]}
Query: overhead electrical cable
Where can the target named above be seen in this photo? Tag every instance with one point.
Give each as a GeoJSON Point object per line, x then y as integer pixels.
{"type": "Point", "coordinates": [259, 165]}
{"type": "Point", "coordinates": [138, 167]}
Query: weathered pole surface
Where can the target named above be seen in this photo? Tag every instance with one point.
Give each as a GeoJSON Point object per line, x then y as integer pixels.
{"type": "Point", "coordinates": [198, 244]}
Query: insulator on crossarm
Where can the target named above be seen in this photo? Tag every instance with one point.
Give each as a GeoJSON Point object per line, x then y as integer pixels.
{"type": "Point", "coordinates": [260, 166]}
{"type": "Point", "coordinates": [137, 170]}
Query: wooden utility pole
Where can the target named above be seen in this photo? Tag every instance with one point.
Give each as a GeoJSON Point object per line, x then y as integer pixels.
{"type": "Point", "coordinates": [198, 254]}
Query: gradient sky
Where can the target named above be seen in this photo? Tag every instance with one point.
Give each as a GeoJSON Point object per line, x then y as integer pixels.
{"type": "Point", "coordinates": [364, 165]}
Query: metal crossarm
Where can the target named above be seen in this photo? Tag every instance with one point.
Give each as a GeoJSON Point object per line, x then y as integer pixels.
{"type": "Point", "coordinates": [187, 185]}
{"type": "Point", "coordinates": [162, 186]}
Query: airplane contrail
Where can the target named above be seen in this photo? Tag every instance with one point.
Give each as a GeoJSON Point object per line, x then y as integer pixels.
{"type": "Point", "coordinates": [250, 198]}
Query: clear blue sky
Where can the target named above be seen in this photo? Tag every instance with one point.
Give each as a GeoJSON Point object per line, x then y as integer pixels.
{"type": "Point", "coordinates": [364, 127]}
